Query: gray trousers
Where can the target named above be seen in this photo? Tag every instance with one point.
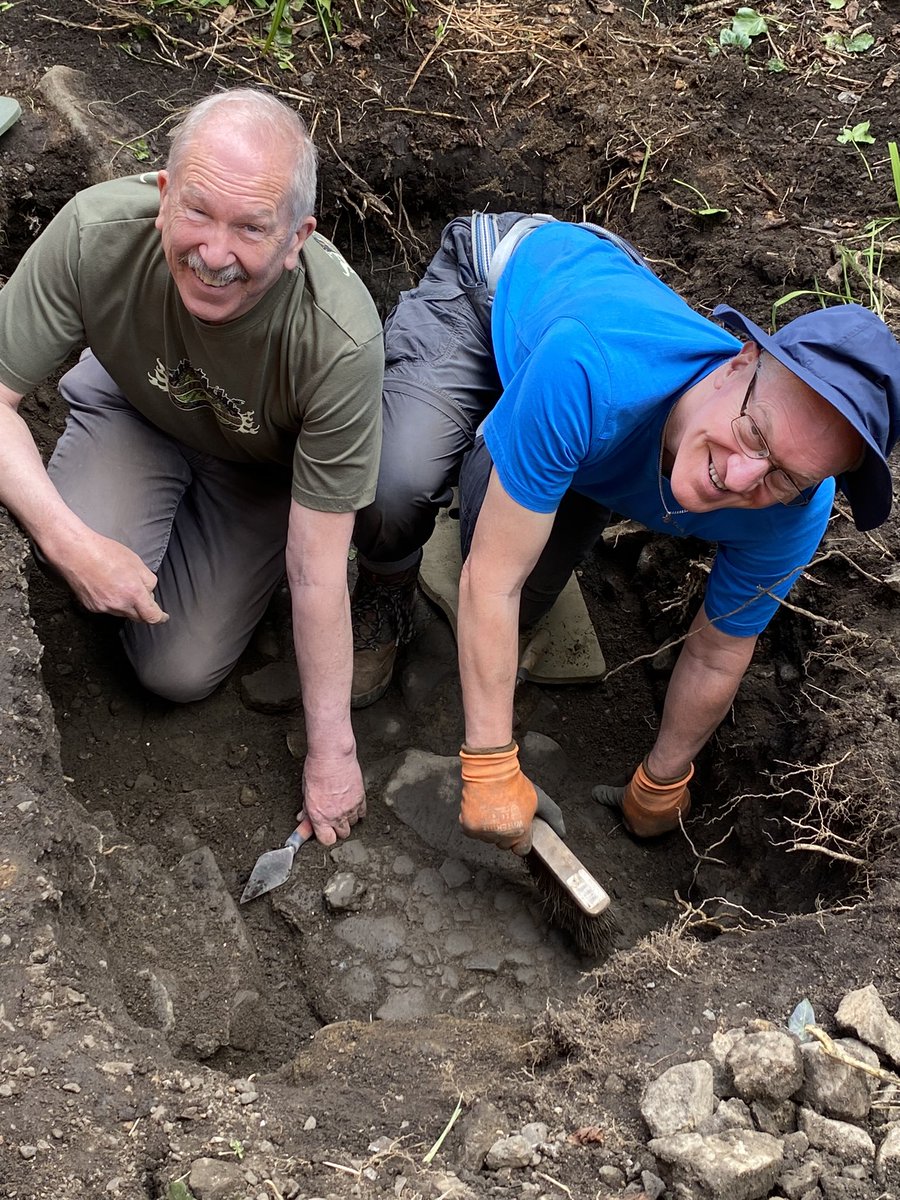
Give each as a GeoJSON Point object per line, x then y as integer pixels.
{"type": "Point", "coordinates": [440, 383]}
{"type": "Point", "coordinates": [213, 531]}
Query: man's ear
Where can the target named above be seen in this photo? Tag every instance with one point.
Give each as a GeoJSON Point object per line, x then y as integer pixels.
{"type": "Point", "coordinates": [162, 182]}
{"type": "Point", "coordinates": [299, 236]}
{"type": "Point", "coordinates": [745, 360]}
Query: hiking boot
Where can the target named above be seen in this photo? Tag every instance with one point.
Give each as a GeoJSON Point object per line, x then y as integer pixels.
{"type": "Point", "coordinates": [381, 609]}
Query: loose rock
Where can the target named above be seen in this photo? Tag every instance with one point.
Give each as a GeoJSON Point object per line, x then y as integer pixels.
{"type": "Point", "coordinates": [834, 1088]}
{"type": "Point", "coordinates": [680, 1101]}
{"type": "Point", "coordinates": [735, 1165]}
{"type": "Point", "coordinates": [766, 1066]}
{"type": "Point", "coordinates": [845, 1141]}
{"type": "Point", "coordinates": [863, 1012]}
{"type": "Point", "coordinates": [887, 1161]}
{"type": "Point", "coordinates": [514, 1151]}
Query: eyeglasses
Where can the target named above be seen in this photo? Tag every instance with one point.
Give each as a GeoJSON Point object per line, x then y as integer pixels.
{"type": "Point", "coordinates": [754, 445]}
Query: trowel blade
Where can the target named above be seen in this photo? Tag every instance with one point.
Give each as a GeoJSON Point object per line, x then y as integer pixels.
{"type": "Point", "coordinates": [274, 866]}
{"type": "Point", "coordinates": [271, 871]}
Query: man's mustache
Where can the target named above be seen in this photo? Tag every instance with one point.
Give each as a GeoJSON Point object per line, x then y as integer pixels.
{"type": "Point", "coordinates": [233, 273]}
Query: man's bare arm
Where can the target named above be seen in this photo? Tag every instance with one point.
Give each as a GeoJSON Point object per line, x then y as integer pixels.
{"type": "Point", "coordinates": [508, 540]}
{"type": "Point", "coordinates": [703, 685]}
{"type": "Point", "coordinates": [104, 575]}
{"type": "Point", "coordinates": [333, 791]}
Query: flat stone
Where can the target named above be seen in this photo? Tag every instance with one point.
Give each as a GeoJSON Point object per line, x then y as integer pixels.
{"type": "Point", "coordinates": [344, 891]}
{"type": "Point", "coordinates": [540, 754]}
{"type": "Point", "coordinates": [510, 1152]}
{"type": "Point", "coordinates": [352, 853]}
{"type": "Point", "coordinates": [455, 873]}
{"type": "Point", "coordinates": [652, 1184]}
{"type": "Point", "coordinates": [101, 129]}
{"type": "Point", "coordinates": [216, 1179]}
{"type": "Point", "coordinates": [457, 943]}
{"type": "Point", "coordinates": [485, 960]}
{"type": "Point", "coordinates": [535, 1133]}
{"type": "Point", "coordinates": [611, 1177]}
{"type": "Point", "coordinates": [680, 1100]}
{"type": "Point", "coordinates": [404, 1004]}
{"type": "Point", "coordinates": [274, 688]}
{"type": "Point", "coordinates": [429, 882]}
{"type": "Point", "coordinates": [423, 792]}
{"type": "Point", "coordinates": [735, 1165]}
{"type": "Point", "coordinates": [864, 1013]}
{"type": "Point", "coordinates": [523, 931]}
{"type": "Point", "coordinates": [846, 1142]}
{"type": "Point", "coordinates": [376, 936]}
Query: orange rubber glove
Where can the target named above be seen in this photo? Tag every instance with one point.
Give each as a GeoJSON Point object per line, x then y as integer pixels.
{"type": "Point", "coordinates": [498, 801]}
{"type": "Point", "coordinates": [649, 806]}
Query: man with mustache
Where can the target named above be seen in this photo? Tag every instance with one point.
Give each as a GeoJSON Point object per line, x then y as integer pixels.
{"type": "Point", "coordinates": [546, 367]}
{"type": "Point", "coordinates": [223, 426]}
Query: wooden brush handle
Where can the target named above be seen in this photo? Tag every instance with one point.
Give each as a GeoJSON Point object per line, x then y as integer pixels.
{"type": "Point", "coordinates": [571, 873]}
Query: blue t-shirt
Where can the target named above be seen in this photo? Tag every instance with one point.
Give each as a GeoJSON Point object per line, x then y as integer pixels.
{"type": "Point", "coordinates": [593, 350]}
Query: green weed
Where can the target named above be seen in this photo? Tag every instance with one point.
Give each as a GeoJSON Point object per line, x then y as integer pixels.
{"type": "Point", "coordinates": [894, 156]}
{"type": "Point", "coordinates": [856, 137]}
{"type": "Point", "coordinates": [705, 209]}
{"type": "Point", "coordinates": [846, 43]}
{"type": "Point", "coordinates": [746, 24]}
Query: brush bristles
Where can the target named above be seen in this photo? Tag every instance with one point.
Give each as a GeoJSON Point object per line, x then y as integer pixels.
{"type": "Point", "coordinates": [594, 936]}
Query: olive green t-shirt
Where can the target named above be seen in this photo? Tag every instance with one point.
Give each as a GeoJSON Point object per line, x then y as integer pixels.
{"type": "Point", "coordinates": [296, 381]}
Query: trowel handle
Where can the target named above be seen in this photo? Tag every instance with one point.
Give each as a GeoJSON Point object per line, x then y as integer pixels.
{"type": "Point", "coordinates": [301, 834]}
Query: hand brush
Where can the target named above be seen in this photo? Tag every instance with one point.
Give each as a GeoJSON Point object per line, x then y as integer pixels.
{"type": "Point", "coordinates": [571, 897]}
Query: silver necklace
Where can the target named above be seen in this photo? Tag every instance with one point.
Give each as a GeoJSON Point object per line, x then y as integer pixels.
{"type": "Point", "coordinates": [669, 515]}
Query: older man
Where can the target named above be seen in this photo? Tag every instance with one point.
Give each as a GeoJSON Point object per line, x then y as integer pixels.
{"type": "Point", "coordinates": [224, 423]}
{"type": "Point", "coordinates": [607, 392]}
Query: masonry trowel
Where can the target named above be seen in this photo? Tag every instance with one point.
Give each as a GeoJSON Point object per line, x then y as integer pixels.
{"type": "Point", "coordinates": [274, 866]}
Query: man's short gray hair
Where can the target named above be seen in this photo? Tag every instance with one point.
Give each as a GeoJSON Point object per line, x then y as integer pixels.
{"type": "Point", "coordinates": [261, 116]}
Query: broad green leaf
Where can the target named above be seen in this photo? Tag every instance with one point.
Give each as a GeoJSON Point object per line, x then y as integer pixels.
{"type": "Point", "coordinates": [730, 37]}
{"type": "Point", "coordinates": [749, 22]}
{"type": "Point", "coordinates": [859, 44]}
{"type": "Point", "coordinates": [858, 136]}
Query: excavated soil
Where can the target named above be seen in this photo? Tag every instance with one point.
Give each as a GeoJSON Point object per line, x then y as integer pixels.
{"type": "Point", "coordinates": [147, 1021]}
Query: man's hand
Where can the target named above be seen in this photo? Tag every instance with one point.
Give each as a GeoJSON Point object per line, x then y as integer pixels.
{"type": "Point", "coordinates": [649, 806]}
{"type": "Point", "coordinates": [107, 577]}
{"type": "Point", "coordinates": [498, 800]}
{"type": "Point", "coordinates": [334, 796]}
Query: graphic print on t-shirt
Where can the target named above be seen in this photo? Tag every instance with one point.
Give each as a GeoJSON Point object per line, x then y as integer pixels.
{"type": "Point", "coordinates": [188, 388]}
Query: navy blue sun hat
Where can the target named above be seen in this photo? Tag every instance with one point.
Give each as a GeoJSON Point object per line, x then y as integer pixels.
{"type": "Point", "coordinates": [849, 356]}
